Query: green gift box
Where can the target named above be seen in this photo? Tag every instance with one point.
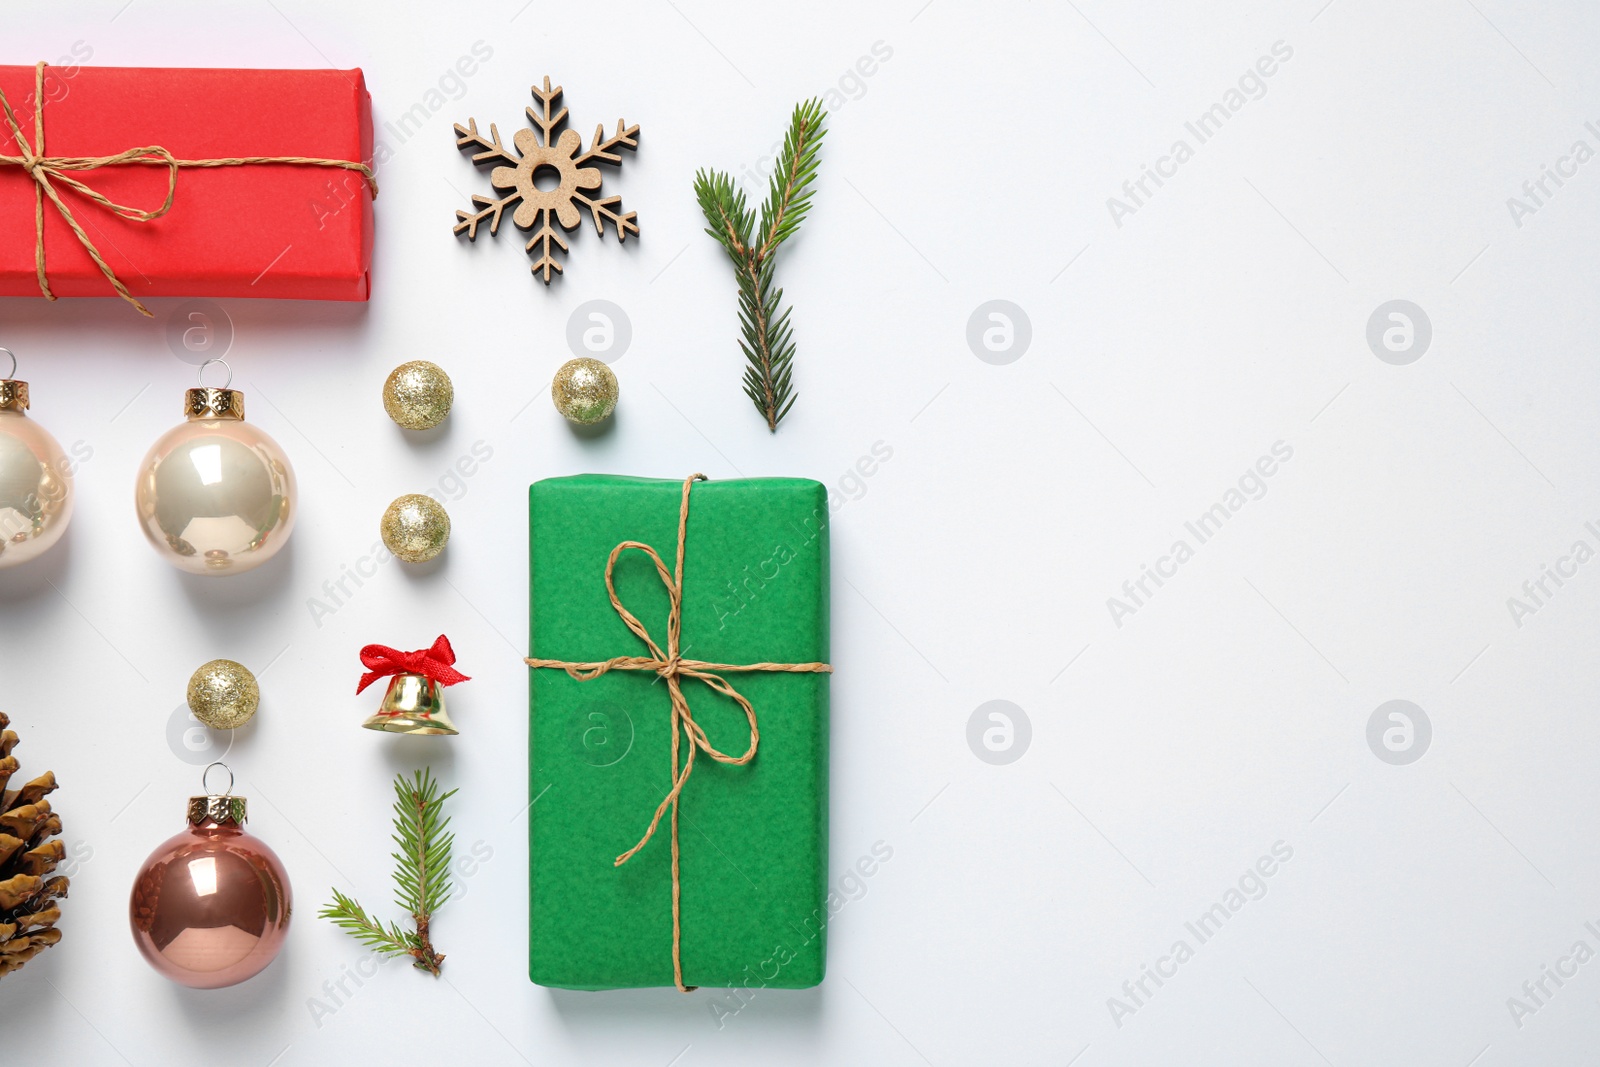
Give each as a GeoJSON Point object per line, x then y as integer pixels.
{"type": "Point", "coordinates": [748, 834]}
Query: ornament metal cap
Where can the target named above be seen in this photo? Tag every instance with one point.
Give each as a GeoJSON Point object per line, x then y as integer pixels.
{"type": "Point", "coordinates": [414, 704]}
{"type": "Point", "coordinates": [210, 402]}
{"type": "Point", "coordinates": [217, 809]}
{"type": "Point", "coordinates": [13, 394]}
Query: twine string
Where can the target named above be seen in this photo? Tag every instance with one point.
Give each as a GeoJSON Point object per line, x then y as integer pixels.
{"type": "Point", "coordinates": [672, 668]}
{"type": "Point", "coordinates": [49, 172]}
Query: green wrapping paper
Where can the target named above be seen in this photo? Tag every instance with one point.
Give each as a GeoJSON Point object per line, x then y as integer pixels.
{"type": "Point", "coordinates": [753, 839]}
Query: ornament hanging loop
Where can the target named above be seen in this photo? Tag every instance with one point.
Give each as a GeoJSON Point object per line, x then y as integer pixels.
{"type": "Point", "coordinates": [13, 356]}
{"type": "Point", "coordinates": [201, 375]}
{"type": "Point", "coordinates": [206, 774]}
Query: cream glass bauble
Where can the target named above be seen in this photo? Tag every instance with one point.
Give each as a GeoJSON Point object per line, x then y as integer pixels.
{"type": "Point", "coordinates": [216, 495]}
{"type": "Point", "coordinates": [35, 479]}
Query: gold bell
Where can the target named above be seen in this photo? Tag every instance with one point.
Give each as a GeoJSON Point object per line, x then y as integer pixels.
{"type": "Point", "coordinates": [414, 704]}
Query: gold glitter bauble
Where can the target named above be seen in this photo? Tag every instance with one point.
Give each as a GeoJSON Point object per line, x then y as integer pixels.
{"type": "Point", "coordinates": [415, 528]}
{"type": "Point", "coordinates": [418, 395]}
{"type": "Point", "coordinates": [584, 390]}
{"type": "Point", "coordinates": [223, 694]}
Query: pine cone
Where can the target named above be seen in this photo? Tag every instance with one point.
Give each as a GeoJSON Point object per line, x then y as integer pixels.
{"type": "Point", "coordinates": [29, 894]}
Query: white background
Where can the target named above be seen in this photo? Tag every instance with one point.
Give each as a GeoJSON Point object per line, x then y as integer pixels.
{"type": "Point", "coordinates": [1168, 353]}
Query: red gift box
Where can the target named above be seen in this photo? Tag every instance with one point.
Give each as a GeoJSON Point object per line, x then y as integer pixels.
{"type": "Point", "coordinates": [256, 229]}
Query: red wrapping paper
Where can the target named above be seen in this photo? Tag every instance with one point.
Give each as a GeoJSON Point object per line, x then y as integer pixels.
{"type": "Point", "coordinates": [267, 230]}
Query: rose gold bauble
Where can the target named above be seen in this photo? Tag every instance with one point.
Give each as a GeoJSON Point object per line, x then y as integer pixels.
{"type": "Point", "coordinates": [211, 906]}
{"type": "Point", "coordinates": [216, 495]}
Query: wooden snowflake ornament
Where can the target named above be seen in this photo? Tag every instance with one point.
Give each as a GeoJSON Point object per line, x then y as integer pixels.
{"type": "Point", "coordinates": [558, 159]}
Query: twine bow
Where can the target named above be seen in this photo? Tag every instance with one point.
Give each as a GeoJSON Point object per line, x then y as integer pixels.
{"type": "Point", "coordinates": [670, 665]}
{"type": "Point", "coordinates": [48, 172]}
{"type": "Point", "coordinates": [436, 663]}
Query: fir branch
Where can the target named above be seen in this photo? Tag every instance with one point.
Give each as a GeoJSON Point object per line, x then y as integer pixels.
{"type": "Point", "coordinates": [422, 875]}
{"type": "Point", "coordinates": [789, 198]}
{"type": "Point", "coordinates": [422, 871]}
{"type": "Point", "coordinates": [353, 920]}
{"type": "Point", "coordinates": [767, 339]}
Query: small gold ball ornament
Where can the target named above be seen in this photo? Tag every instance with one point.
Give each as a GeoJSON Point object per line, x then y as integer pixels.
{"type": "Point", "coordinates": [584, 390]}
{"type": "Point", "coordinates": [223, 694]}
{"type": "Point", "coordinates": [418, 395]}
{"type": "Point", "coordinates": [415, 528]}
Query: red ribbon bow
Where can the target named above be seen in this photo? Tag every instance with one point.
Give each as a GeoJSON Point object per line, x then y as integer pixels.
{"type": "Point", "coordinates": [436, 663]}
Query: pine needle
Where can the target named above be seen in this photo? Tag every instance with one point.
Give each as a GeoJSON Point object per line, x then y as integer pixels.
{"type": "Point", "coordinates": [421, 875]}
{"type": "Point", "coordinates": [767, 339]}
